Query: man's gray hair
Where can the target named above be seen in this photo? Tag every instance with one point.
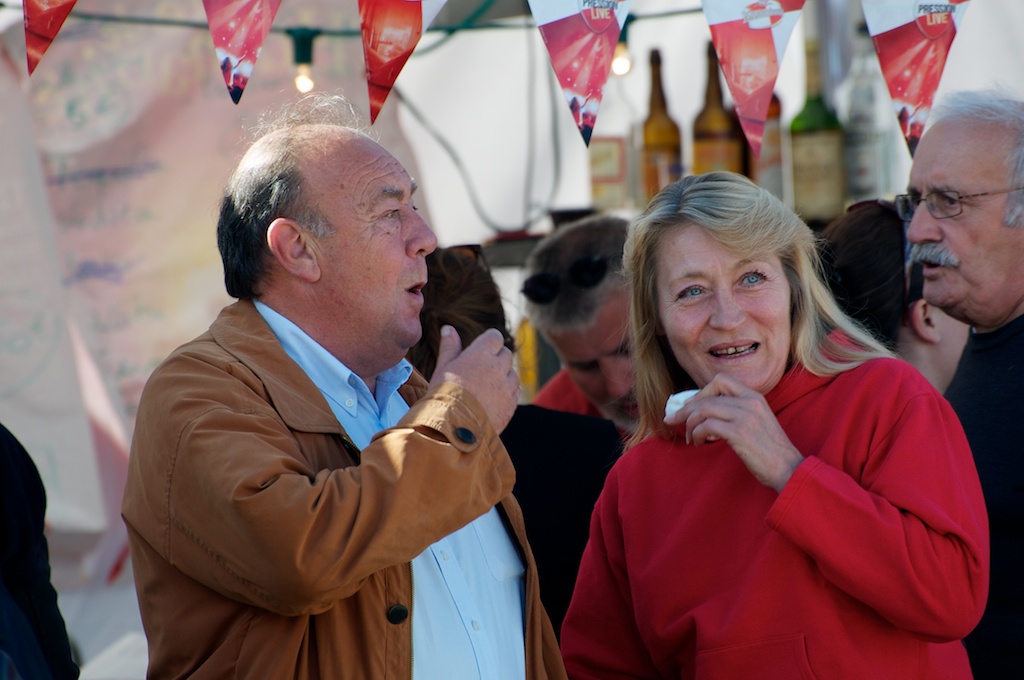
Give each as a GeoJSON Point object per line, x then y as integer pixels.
{"type": "Point", "coordinates": [992, 107]}
{"type": "Point", "coordinates": [594, 242]}
{"type": "Point", "coordinates": [317, 108]}
{"type": "Point", "coordinates": [268, 183]}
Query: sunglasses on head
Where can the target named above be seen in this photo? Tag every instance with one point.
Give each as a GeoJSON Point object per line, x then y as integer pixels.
{"type": "Point", "coordinates": [585, 272]}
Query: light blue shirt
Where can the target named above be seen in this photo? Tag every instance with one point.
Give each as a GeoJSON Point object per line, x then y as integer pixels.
{"type": "Point", "coordinates": [469, 592]}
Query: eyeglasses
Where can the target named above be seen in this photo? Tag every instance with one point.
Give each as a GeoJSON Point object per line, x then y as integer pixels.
{"type": "Point", "coordinates": [586, 272]}
{"type": "Point", "coordinates": [941, 204]}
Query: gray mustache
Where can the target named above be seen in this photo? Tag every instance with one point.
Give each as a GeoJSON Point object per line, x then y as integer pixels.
{"type": "Point", "coordinates": [933, 253]}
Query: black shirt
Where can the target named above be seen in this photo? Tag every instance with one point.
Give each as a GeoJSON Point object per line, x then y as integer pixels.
{"type": "Point", "coordinates": [987, 393]}
{"type": "Point", "coordinates": [561, 461]}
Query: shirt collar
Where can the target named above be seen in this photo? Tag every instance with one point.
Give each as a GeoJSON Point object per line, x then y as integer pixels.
{"type": "Point", "coordinates": [334, 379]}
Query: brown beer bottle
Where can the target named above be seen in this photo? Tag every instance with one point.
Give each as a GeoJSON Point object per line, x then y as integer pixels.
{"type": "Point", "coordinates": [718, 140]}
{"type": "Point", "coordinates": [661, 155]}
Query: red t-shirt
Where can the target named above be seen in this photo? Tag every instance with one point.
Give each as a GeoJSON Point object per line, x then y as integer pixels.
{"type": "Point", "coordinates": [561, 394]}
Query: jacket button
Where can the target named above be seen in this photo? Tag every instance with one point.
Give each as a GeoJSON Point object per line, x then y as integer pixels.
{"type": "Point", "coordinates": [465, 435]}
{"type": "Point", "coordinates": [397, 613]}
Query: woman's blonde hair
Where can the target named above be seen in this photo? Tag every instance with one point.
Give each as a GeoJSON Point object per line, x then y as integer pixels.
{"type": "Point", "coordinates": [750, 222]}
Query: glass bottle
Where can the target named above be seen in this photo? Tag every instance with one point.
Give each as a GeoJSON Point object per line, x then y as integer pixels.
{"type": "Point", "coordinates": [661, 154]}
{"type": "Point", "coordinates": [816, 143]}
{"type": "Point", "coordinates": [612, 152]}
{"type": "Point", "coordinates": [767, 170]}
{"type": "Point", "coordinates": [867, 165]}
{"type": "Point", "coordinates": [718, 140]}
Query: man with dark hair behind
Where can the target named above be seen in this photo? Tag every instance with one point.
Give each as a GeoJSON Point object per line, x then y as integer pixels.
{"type": "Point", "coordinates": [561, 459]}
{"type": "Point", "coordinates": [577, 299]}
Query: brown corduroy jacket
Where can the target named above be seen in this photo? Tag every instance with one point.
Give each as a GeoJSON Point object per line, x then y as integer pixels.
{"type": "Point", "coordinates": [264, 545]}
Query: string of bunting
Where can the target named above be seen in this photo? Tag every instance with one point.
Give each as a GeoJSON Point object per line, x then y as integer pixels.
{"type": "Point", "coordinates": [911, 39]}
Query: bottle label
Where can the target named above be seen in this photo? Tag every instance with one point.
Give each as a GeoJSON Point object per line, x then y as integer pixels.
{"type": "Point", "coordinates": [865, 163]}
{"type": "Point", "coordinates": [717, 154]}
{"type": "Point", "coordinates": [609, 182]}
{"type": "Point", "coordinates": [768, 168]}
{"type": "Point", "coordinates": [819, 185]}
{"type": "Point", "coordinates": [661, 167]}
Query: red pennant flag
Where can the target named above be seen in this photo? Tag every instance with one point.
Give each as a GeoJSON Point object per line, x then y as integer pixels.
{"type": "Point", "coordinates": [43, 19]}
{"type": "Point", "coordinates": [750, 39]}
{"type": "Point", "coordinates": [238, 28]}
{"type": "Point", "coordinates": [912, 40]}
{"type": "Point", "coordinates": [391, 30]}
{"type": "Point", "coordinates": [581, 36]}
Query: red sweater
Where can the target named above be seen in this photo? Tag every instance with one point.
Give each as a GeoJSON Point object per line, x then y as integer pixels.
{"type": "Point", "coordinates": [871, 563]}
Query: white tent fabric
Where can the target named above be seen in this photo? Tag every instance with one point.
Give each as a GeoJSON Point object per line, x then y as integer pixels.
{"type": "Point", "coordinates": [114, 153]}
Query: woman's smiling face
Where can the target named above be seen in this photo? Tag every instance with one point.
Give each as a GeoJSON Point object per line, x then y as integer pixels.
{"type": "Point", "coordinates": [722, 313]}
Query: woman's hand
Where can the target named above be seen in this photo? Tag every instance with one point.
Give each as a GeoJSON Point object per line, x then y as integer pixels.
{"type": "Point", "coordinates": [727, 409]}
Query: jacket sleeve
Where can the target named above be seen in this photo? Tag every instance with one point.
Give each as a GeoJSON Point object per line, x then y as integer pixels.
{"type": "Point", "coordinates": [903, 530]}
{"type": "Point", "coordinates": [298, 525]}
{"type": "Point", "coordinates": [600, 637]}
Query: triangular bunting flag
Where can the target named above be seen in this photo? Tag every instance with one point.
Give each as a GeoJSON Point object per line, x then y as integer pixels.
{"type": "Point", "coordinates": [238, 28]}
{"type": "Point", "coordinates": [581, 36]}
{"type": "Point", "coordinates": [391, 30]}
{"type": "Point", "coordinates": [912, 40]}
{"type": "Point", "coordinates": [750, 39]}
{"type": "Point", "coordinates": [43, 19]}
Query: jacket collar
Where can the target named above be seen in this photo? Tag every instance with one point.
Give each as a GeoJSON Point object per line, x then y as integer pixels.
{"type": "Point", "coordinates": [242, 332]}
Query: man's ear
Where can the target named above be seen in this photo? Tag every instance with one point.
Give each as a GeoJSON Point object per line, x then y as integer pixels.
{"type": "Point", "coordinates": [921, 319]}
{"type": "Point", "coordinates": [295, 249]}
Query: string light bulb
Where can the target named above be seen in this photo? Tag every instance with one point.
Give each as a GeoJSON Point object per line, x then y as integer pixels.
{"type": "Point", "coordinates": [302, 42]}
{"type": "Point", "coordinates": [304, 78]}
{"type": "Point", "coordinates": [622, 61]}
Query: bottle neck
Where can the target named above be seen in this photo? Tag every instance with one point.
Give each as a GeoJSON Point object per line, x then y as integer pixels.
{"type": "Point", "coordinates": [713, 93]}
{"type": "Point", "coordinates": [657, 93]}
{"type": "Point", "coordinates": [813, 70]}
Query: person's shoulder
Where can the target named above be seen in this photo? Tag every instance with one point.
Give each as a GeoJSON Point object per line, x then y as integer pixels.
{"type": "Point", "coordinates": [560, 393]}
{"type": "Point", "coordinates": [885, 379]}
{"type": "Point", "coordinates": [7, 439]}
{"type": "Point", "coordinates": [555, 387]}
{"type": "Point", "coordinates": [650, 466]}
{"type": "Point", "coordinates": [189, 358]}
{"type": "Point", "coordinates": [889, 367]}
{"type": "Point", "coordinates": [548, 416]}
{"type": "Point", "coordinates": [206, 368]}
{"type": "Point", "coordinates": [13, 455]}
{"type": "Point", "coordinates": [652, 448]}
{"type": "Point", "coordinates": [574, 432]}
{"type": "Point", "coordinates": [238, 334]}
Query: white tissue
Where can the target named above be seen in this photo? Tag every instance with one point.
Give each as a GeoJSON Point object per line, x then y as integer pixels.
{"type": "Point", "coordinates": [677, 401]}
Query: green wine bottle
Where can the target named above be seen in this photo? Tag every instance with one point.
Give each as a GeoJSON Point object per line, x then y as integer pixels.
{"type": "Point", "coordinates": [816, 139]}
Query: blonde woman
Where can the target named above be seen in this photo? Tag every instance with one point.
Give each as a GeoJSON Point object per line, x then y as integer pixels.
{"type": "Point", "coordinates": [812, 512]}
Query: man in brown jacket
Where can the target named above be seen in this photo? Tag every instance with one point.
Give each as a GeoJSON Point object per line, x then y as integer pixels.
{"type": "Point", "coordinates": [291, 476]}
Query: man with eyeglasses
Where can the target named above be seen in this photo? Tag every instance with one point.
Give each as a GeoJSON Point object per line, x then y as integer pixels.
{"type": "Point", "coordinates": [577, 299]}
{"type": "Point", "coordinates": [965, 204]}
